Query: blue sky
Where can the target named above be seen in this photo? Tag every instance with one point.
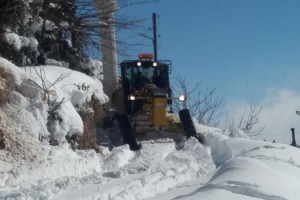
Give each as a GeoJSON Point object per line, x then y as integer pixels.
{"type": "Point", "coordinates": [249, 50]}
{"type": "Point", "coordinates": [240, 47]}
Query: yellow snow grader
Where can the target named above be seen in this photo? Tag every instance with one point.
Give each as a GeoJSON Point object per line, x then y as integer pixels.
{"type": "Point", "coordinates": [143, 103]}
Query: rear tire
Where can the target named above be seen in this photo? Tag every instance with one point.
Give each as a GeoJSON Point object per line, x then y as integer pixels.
{"type": "Point", "coordinates": [187, 123]}
{"type": "Point", "coordinates": [127, 133]}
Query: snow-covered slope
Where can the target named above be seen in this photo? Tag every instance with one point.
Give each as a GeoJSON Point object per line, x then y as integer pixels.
{"type": "Point", "coordinates": [25, 153]}
{"type": "Point", "coordinates": [75, 86]}
{"type": "Point", "coordinates": [246, 170]}
{"type": "Point", "coordinates": [66, 91]}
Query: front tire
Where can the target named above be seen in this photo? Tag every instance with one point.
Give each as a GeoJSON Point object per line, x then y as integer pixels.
{"type": "Point", "coordinates": [127, 133]}
{"type": "Point", "coordinates": [187, 123]}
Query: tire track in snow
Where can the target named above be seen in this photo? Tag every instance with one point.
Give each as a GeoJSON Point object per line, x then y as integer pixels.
{"type": "Point", "coordinates": [241, 188]}
{"type": "Point", "coordinates": [163, 169]}
{"type": "Point", "coordinates": [272, 158]}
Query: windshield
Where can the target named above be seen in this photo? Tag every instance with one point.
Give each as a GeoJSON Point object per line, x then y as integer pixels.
{"type": "Point", "coordinates": [138, 76]}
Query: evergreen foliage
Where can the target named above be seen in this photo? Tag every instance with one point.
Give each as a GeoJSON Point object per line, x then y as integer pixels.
{"type": "Point", "coordinates": [32, 31]}
{"type": "Point", "coordinates": [60, 32]}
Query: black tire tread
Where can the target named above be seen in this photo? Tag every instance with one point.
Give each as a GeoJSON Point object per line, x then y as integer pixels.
{"type": "Point", "coordinates": [127, 133]}
{"type": "Point", "coordinates": [187, 123]}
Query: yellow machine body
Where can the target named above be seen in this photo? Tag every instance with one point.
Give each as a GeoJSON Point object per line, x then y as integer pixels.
{"type": "Point", "coordinates": [146, 104]}
{"type": "Point", "coordinates": [159, 111]}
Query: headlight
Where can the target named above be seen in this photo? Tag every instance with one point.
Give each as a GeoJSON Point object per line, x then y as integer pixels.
{"type": "Point", "coordinates": [182, 98]}
{"type": "Point", "coordinates": [154, 64]}
{"type": "Point", "coordinates": [139, 63]}
{"type": "Point", "coordinates": [131, 97]}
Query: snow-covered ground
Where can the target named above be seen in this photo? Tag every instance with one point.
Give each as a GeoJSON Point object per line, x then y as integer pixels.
{"type": "Point", "coordinates": [234, 168]}
{"type": "Point", "coordinates": [224, 167]}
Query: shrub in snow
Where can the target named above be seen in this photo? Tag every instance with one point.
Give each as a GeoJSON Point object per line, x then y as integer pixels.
{"type": "Point", "coordinates": [22, 50]}
{"type": "Point", "coordinates": [63, 120]}
{"type": "Point", "coordinates": [74, 86]}
{"type": "Point", "coordinates": [64, 90]}
{"type": "Point", "coordinates": [92, 68]}
{"type": "Point", "coordinates": [14, 40]}
{"type": "Point", "coordinates": [24, 41]}
{"type": "Point", "coordinates": [235, 133]}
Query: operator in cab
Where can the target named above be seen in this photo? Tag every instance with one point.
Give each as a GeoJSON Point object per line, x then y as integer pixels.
{"type": "Point", "coordinates": [157, 79]}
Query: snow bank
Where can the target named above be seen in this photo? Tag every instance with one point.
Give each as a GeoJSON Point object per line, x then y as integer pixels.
{"type": "Point", "coordinates": [21, 116]}
{"type": "Point", "coordinates": [65, 91]}
{"type": "Point", "coordinates": [25, 155]}
{"type": "Point", "coordinates": [269, 172]}
{"type": "Point", "coordinates": [47, 163]}
{"type": "Point", "coordinates": [252, 177]}
{"type": "Point", "coordinates": [14, 74]}
{"type": "Point", "coordinates": [74, 85]}
{"type": "Point", "coordinates": [247, 170]}
{"type": "Point", "coordinates": [222, 146]}
{"type": "Point", "coordinates": [32, 98]}
{"type": "Point", "coordinates": [24, 112]}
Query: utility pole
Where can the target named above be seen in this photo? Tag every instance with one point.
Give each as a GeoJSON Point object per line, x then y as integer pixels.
{"type": "Point", "coordinates": [154, 36]}
{"type": "Point", "coordinates": [293, 137]}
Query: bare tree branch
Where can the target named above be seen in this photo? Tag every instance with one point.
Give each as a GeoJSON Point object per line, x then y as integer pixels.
{"type": "Point", "coordinates": [247, 121]}
{"type": "Point", "coordinates": [203, 105]}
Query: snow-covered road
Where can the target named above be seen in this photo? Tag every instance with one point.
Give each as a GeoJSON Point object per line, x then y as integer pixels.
{"type": "Point", "coordinates": [246, 170]}
{"type": "Point", "coordinates": [157, 168]}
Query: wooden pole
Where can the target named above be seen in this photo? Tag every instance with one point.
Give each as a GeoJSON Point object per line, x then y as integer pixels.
{"type": "Point", "coordinates": [154, 36]}
{"type": "Point", "coordinates": [293, 137]}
